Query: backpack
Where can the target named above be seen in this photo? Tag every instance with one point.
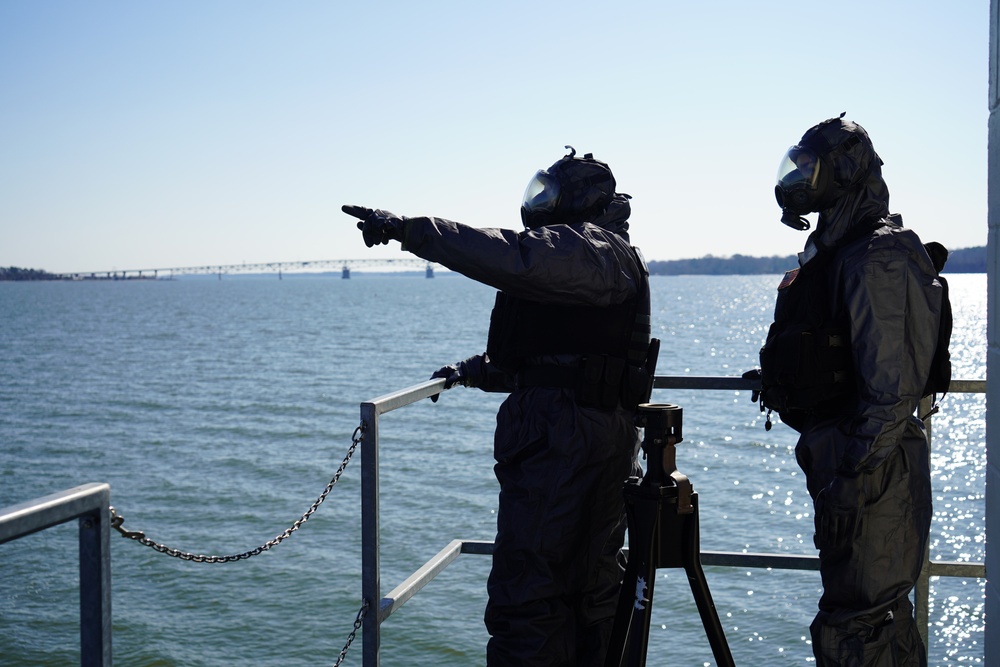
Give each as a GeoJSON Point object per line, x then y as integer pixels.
{"type": "Point", "coordinates": [940, 376]}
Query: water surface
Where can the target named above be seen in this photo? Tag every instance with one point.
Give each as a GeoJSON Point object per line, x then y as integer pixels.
{"type": "Point", "coordinates": [218, 411]}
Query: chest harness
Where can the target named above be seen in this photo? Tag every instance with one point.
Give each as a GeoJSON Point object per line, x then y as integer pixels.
{"type": "Point", "coordinates": [616, 358]}
{"type": "Point", "coordinates": [806, 364]}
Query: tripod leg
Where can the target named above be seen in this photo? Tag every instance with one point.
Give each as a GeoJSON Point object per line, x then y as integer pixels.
{"type": "Point", "coordinates": [699, 588]}
{"type": "Point", "coordinates": [630, 633]}
{"type": "Point", "coordinates": [709, 616]}
{"type": "Point", "coordinates": [639, 630]}
{"type": "Point", "coordinates": [623, 615]}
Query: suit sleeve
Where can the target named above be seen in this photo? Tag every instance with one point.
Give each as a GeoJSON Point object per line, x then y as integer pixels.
{"type": "Point", "coordinates": [572, 264]}
{"type": "Point", "coordinates": [893, 304]}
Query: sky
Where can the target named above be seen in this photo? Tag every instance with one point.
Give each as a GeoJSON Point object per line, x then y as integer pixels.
{"type": "Point", "coordinates": [166, 135]}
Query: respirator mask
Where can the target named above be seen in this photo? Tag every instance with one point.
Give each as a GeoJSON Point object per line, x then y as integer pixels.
{"type": "Point", "coordinates": [804, 180]}
{"type": "Point", "coordinates": [570, 191]}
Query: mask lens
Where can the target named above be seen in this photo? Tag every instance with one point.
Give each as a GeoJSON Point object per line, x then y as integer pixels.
{"type": "Point", "coordinates": [799, 167]}
{"type": "Point", "coordinates": [541, 194]}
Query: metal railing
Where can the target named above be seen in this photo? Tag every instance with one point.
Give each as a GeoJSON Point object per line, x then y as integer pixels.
{"type": "Point", "coordinates": [89, 503]}
{"type": "Point", "coordinates": [397, 597]}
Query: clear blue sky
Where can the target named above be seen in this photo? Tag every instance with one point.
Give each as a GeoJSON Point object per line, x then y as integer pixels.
{"type": "Point", "coordinates": [154, 135]}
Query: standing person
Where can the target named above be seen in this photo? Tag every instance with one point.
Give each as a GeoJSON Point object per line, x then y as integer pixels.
{"type": "Point", "coordinates": [568, 338]}
{"type": "Point", "coordinates": [845, 363]}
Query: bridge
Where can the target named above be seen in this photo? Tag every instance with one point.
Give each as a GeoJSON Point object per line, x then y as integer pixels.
{"type": "Point", "coordinates": [345, 266]}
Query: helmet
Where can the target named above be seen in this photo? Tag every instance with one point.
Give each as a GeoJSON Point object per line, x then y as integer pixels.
{"type": "Point", "coordinates": [831, 159]}
{"type": "Point", "coordinates": [571, 190]}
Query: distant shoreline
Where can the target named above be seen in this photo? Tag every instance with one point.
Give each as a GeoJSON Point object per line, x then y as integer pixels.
{"type": "Point", "coordinates": [963, 260]}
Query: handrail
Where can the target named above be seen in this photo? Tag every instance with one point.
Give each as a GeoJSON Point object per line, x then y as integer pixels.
{"type": "Point", "coordinates": [734, 382]}
{"type": "Point", "coordinates": [89, 503]}
{"type": "Point", "coordinates": [370, 539]}
{"type": "Point", "coordinates": [398, 596]}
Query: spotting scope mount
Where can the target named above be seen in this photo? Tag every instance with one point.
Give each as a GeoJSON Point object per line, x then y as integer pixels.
{"type": "Point", "coordinates": [662, 509]}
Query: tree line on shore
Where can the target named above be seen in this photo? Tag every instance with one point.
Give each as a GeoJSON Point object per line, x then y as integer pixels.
{"type": "Point", "coordinates": [15, 273]}
{"type": "Point", "coordinates": [963, 260]}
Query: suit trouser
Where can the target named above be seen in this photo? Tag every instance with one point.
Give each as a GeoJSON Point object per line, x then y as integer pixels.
{"type": "Point", "coordinates": [865, 615]}
{"type": "Point", "coordinates": [557, 568]}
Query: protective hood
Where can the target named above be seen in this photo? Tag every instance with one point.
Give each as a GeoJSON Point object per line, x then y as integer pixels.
{"type": "Point", "coordinates": [571, 190]}
{"type": "Point", "coordinates": [616, 215]}
{"type": "Point", "coordinates": [840, 173]}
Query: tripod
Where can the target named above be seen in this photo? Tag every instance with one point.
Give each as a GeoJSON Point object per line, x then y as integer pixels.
{"type": "Point", "coordinates": [662, 510]}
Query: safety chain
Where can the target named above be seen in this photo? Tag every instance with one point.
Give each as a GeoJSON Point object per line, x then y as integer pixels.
{"type": "Point", "coordinates": [350, 638]}
{"type": "Point", "coordinates": [140, 537]}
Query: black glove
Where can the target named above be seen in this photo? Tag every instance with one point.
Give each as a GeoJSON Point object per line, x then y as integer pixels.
{"type": "Point", "coordinates": [753, 374]}
{"type": "Point", "coordinates": [838, 511]}
{"type": "Point", "coordinates": [377, 226]}
{"type": "Point", "coordinates": [468, 373]}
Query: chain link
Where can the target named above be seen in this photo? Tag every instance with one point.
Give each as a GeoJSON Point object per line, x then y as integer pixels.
{"type": "Point", "coordinates": [350, 638]}
{"type": "Point", "coordinates": [140, 537]}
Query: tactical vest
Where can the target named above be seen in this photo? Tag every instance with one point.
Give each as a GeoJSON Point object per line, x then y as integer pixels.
{"type": "Point", "coordinates": [612, 342]}
{"type": "Point", "coordinates": [806, 364]}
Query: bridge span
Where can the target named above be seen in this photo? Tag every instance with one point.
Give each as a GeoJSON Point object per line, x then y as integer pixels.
{"type": "Point", "coordinates": [344, 266]}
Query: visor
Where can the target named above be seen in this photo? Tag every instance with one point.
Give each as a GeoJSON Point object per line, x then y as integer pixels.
{"type": "Point", "coordinates": [542, 193]}
{"type": "Point", "coordinates": [800, 167]}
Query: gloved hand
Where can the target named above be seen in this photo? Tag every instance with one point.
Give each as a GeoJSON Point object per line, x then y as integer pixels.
{"type": "Point", "coordinates": [377, 226]}
{"type": "Point", "coordinates": [753, 374]}
{"type": "Point", "coordinates": [468, 373]}
{"type": "Point", "coordinates": [838, 511]}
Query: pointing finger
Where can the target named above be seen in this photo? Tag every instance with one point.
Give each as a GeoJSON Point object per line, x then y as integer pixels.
{"type": "Point", "coordinates": [359, 212]}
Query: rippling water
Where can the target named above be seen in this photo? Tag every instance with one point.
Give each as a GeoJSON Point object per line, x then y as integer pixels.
{"type": "Point", "coordinates": [218, 410]}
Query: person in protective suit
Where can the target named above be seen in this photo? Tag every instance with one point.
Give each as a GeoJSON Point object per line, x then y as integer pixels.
{"type": "Point", "coordinates": [845, 363]}
{"type": "Point", "coordinates": [568, 338]}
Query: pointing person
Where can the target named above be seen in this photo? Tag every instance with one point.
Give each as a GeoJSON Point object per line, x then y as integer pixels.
{"type": "Point", "coordinates": [568, 339]}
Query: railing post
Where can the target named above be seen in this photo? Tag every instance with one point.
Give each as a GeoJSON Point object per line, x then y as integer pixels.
{"type": "Point", "coordinates": [90, 505]}
{"type": "Point", "coordinates": [370, 563]}
{"type": "Point", "coordinates": [922, 587]}
{"type": "Point", "coordinates": [95, 584]}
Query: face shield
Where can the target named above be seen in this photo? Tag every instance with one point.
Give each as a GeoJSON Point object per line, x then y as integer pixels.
{"type": "Point", "coordinates": [542, 194]}
{"type": "Point", "coordinates": [803, 180]}
{"type": "Point", "coordinates": [799, 170]}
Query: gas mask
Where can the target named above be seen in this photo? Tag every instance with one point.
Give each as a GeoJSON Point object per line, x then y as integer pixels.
{"type": "Point", "coordinates": [571, 190]}
{"type": "Point", "coordinates": [803, 185]}
{"type": "Point", "coordinates": [832, 158]}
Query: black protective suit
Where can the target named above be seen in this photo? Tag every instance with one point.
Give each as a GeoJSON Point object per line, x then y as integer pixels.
{"type": "Point", "coordinates": [553, 589]}
{"type": "Point", "coordinates": [865, 454]}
